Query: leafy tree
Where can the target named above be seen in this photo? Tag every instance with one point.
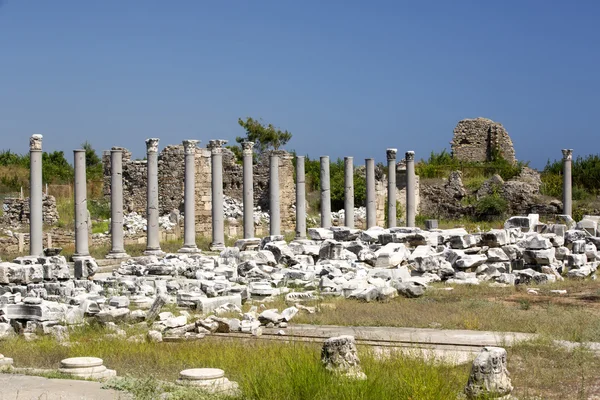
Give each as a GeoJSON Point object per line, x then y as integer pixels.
{"type": "Point", "coordinates": [264, 136]}
{"type": "Point", "coordinates": [55, 168]}
{"type": "Point", "coordinates": [93, 163]}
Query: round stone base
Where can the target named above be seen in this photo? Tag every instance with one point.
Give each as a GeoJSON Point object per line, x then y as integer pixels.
{"type": "Point", "coordinates": [117, 256]}
{"type": "Point", "coordinates": [5, 362]}
{"type": "Point", "coordinates": [86, 367]}
{"type": "Point", "coordinates": [154, 252]}
{"type": "Point", "coordinates": [189, 250]}
{"type": "Point", "coordinates": [211, 380]}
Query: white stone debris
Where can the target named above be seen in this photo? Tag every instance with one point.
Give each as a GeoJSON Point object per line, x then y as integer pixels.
{"type": "Point", "coordinates": [489, 375]}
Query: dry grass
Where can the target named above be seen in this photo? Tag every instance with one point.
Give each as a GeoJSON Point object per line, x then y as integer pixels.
{"type": "Point", "coordinates": [572, 317]}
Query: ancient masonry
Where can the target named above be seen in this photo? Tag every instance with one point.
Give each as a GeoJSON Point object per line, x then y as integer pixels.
{"type": "Point", "coordinates": [171, 173]}
{"type": "Point", "coordinates": [16, 211]}
{"type": "Point", "coordinates": [479, 139]}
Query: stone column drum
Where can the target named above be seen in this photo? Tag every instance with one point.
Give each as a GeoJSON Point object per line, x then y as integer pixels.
{"type": "Point", "coordinates": [218, 219]}
{"type": "Point", "coordinates": [116, 204]}
{"type": "Point", "coordinates": [567, 182]}
{"type": "Point", "coordinates": [300, 198]}
{"type": "Point", "coordinates": [325, 193]}
{"type": "Point", "coordinates": [391, 200]}
{"type": "Point", "coordinates": [370, 182]}
{"type": "Point", "coordinates": [274, 212]}
{"type": "Point", "coordinates": [248, 188]}
{"type": "Point", "coordinates": [81, 211]}
{"type": "Point", "coordinates": [189, 198]}
{"type": "Point", "coordinates": [349, 192]}
{"type": "Point", "coordinates": [36, 246]}
{"type": "Point", "coordinates": [152, 231]}
{"type": "Point", "coordinates": [410, 189]}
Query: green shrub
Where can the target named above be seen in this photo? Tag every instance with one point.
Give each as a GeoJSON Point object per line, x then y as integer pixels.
{"type": "Point", "coordinates": [491, 207]}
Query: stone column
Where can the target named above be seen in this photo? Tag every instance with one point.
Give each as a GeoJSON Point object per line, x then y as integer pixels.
{"type": "Point", "coordinates": [348, 192]}
{"type": "Point", "coordinates": [152, 232]}
{"type": "Point", "coordinates": [36, 246]}
{"type": "Point", "coordinates": [218, 219]}
{"type": "Point", "coordinates": [410, 189]}
{"type": "Point", "coordinates": [189, 198]}
{"type": "Point", "coordinates": [371, 204]}
{"type": "Point", "coordinates": [248, 188]}
{"type": "Point", "coordinates": [81, 211]}
{"type": "Point", "coordinates": [325, 193]}
{"type": "Point", "coordinates": [567, 182]}
{"type": "Point", "coordinates": [275, 218]}
{"type": "Point", "coordinates": [116, 204]}
{"type": "Point", "coordinates": [300, 198]}
{"type": "Point", "coordinates": [391, 202]}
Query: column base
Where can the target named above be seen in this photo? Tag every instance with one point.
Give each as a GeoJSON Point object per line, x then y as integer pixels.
{"type": "Point", "coordinates": [217, 246]}
{"type": "Point", "coordinates": [154, 252]}
{"type": "Point", "coordinates": [117, 255]}
{"type": "Point", "coordinates": [189, 249]}
{"type": "Point", "coordinates": [78, 257]}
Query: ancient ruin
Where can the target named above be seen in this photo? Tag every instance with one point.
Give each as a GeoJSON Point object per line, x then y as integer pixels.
{"type": "Point", "coordinates": [481, 139]}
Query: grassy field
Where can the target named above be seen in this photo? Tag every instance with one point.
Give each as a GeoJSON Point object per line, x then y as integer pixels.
{"type": "Point", "coordinates": [278, 370]}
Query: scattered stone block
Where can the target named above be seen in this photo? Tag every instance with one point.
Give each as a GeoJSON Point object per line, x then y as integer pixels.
{"type": "Point", "coordinates": [489, 375]}
{"type": "Point", "coordinates": [340, 356]}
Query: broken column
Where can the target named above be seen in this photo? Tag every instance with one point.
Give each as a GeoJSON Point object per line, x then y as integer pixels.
{"type": "Point", "coordinates": [248, 185]}
{"type": "Point", "coordinates": [370, 182]}
{"type": "Point", "coordinates": [339, 356]}
{"type": "Point", "coordinates": [410, 189]}
{"type": "Point", "coordinates": [116, 204]}
{"type": "Point", "coordinates": [81, 211]}
{"type": "Point", "coordinates": [218, 228]}
{"type": "Point", "coordinates": [275, 218]}
{"type": "Point", "coordinates": [152, 233]}
{"type": "Point", "coordinates": [189, 196]}
{"type": "Point", "coordinates": [489, 376]}
{"type": "Point", "coordinates": [300, 198]}
{"type": "Point", "coordinates": [391, 201]}
{"type": "Point", "coordinates": [567, 182]}
{"type": "Point", "coordinates": [348, 192]}
{"type": "Point", "coordinates": [36, 247]}
{"type": "Point", "coordinates": [325, 193]}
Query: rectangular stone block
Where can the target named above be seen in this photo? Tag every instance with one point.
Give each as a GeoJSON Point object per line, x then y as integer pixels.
{"type": "Point", "coordinates": [207, 305]}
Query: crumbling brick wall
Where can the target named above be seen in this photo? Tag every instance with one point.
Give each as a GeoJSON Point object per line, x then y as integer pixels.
{"type": "Point", "coordinates": [479, 139]}
{"type": "Point", "coordinates": [16, 211]}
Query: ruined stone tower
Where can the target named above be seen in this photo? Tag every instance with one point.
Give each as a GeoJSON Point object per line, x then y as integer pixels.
{"type": "Point", "coordinates": [479, 139]}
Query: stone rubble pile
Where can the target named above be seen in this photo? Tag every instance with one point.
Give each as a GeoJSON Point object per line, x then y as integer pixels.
{"type": "Point", "coordinates": [360, 215]}
{"type": "Point", "coordinates": [134, 223]}
{"type": "Point", "coordinates": [233, 208]}
{"type": "Point", "coordinates": [38, 294]}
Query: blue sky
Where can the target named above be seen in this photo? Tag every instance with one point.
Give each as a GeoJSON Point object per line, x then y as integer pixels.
{"type": "Point", "coordinates": [345, 77]}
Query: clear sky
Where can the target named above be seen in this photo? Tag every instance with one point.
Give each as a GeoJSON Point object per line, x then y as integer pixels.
{"type": "Point", "coordinates": [347, 78]}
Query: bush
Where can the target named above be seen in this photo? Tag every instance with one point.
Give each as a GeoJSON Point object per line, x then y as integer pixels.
{"type": "Point", "coordinates": [491, 207]}
{"type": "Point", "coordinates": [585, 174]}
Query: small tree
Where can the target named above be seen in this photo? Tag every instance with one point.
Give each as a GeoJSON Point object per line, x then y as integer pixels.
{"type": "Point", "coordinates": [93, 163]}
{"type": "Point", "coordinates": [264, 136]}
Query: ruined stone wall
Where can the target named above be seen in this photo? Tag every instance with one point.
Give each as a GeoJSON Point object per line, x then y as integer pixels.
{"type": "Point", "coordinates": [203, 192]}
{"type": "Point", "coordinates": [16, 211]}
{"type": "Point", "coordinates": [477, 140]}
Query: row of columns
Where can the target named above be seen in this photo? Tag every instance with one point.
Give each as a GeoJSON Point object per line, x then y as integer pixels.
{"type": "Point", "coordinates": [218, 236]}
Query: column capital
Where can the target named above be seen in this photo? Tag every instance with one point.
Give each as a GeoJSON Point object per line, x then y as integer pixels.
{"type": "Point", "coordinates": [216, 145]}
{"type": "Point", "coordinates": [567, 154]}
{"type": "Point", "coordinates": [116, 150]}
{"type": "Point", "coordinates": [35, 142]}
{"type": "Point", "coordinates": [410, 156]}
{"type": "Point", "coordinates": [189, 146]}
{"type": "Point", "coordinates": [247, 148]}
{"type": "Point", "coordinates": [391, 154]}
{"type": "Point", "coordinates": [152, 145]}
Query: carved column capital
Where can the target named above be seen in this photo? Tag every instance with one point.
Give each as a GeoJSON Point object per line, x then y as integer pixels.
{"type": "Point", "coordinates": [216, 145]}
{"type": "Point", "coordinates": [35, 142]}
{"type": "Point", "coordinates": [567, 154]}
{"type": "Point", "coordinates": [410, 156]}
{"type": "Point", "coordinates": [152, 145]}
{"type": "Point", "coordinates": [189, 146]}
{"type": "Point", "coordinates": [391, 154]}
{"type": "Point", "coordinates": [247, 148]}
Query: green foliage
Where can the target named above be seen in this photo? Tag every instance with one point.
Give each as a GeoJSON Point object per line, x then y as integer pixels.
{"type": "Point", "coordinates": [237, 151]}
{"type": "Point", "coordinates": [99, 209]}
{"type": "Point", "coordinates": [491, 207]}
{"type": "Point", "coordinates": [264, 136]}
{"type": "Point", "coordinates": [8, 158]}
{"type": "Point", "coordinates": [585, 173]}
{"type": "Point", "coordinates": [93, 163]}
{"type": "Point", "coordinates": [439, 165]}
{"type": "Point", "coordinates": [55, 168]}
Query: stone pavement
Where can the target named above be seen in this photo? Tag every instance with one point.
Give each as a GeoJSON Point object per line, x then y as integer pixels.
{"type": "Point", "coordinates": [23, 387]}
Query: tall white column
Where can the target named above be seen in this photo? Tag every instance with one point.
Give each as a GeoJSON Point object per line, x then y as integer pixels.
{"type": "Point", "coordinates": [300, 198]}
{"type": "Point", "coordinates": [248, 188]}
{"type": "Point", "coordinates": [36, 247]}
{"type": "Point", "coordinates": [325, 193]}
{"type": "Point", "coordinates": [152, 208]}
{"type": "Point", "coordinates": [567, 182]}
{"type": "Point", "coordinates": [81, 211]}
{"type": "Point", "coordinates": [349, 192]}
{"type": "Point", "coordinates": [370, 182]}
{"type": "Point", "coordinates": [218, 218]}
{"type": "Point", "coordinates": [391, 203]}
{"type": "Point", "coordinates": [275, 216]}
{"type": "Point", "coordinates": [410, 189]}
{"type": "Point", "coordinates": [189, 198]}
{"type": "Point", "coordinates": [116, 204]}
